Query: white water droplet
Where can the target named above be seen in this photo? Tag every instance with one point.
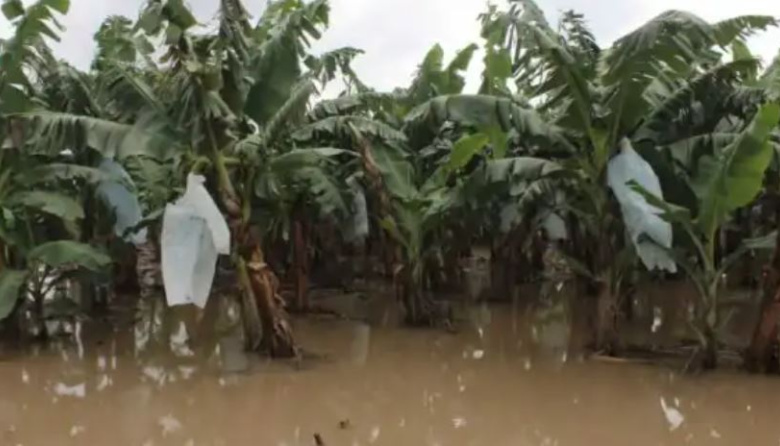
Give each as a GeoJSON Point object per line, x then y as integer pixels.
{"type": "Point", "coordinates": [77, 391]}
{"type": "Point", "coordinates": [169, 424]}
{"type": "Point", "coordinates": [374, 435]}
{"type": "Point", "coordinates": [478, 354]}
{"type": "Point", "coordinates": [458, 422]}
{"type": "Point", "coordinates": [657, 319]}
{"type": "Point", "coordinates": [673, 416]}
{"type": "Point", "coordinates": [179, 340]}
{"type": "Point", "coordinates": [155, 373]}
{"type": "Point", "coordinates": [76, 430]}
{"type": "Point", "coordinates": [714, 433]}
{"type": "Point", "coordinates": [187, 371]}
{"type": "Point", "coordinates": [79, 341]}
{"type": "Point", "coordinates": [25, 377]}
{"type": "Point", "coordinates": [104, 383]}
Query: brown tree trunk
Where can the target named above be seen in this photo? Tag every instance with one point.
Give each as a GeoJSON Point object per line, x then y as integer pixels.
{"type": "Point", "coordinates": [504, 266]}
{"type": "Point", "coordinates": [606, 321]}
{"type": "Point", "coordinates": [582, 316]}
{"type": "Point", "coordinates": [706, 357]}
{"type": "Point", "coordinates": [301, 265]}
{"type": "Point", "coordinates": [261, 303]}
{"type": "Point", "coordinates": [376, 184]}
{"type": "Point", "coordinates": [760, 356]}
{"type": "Point", "coordinates": [418, 309]}
{"type": "Point", "coordinates": [388, 254]}
{"type": "Point", "coordinates": [278, 338]}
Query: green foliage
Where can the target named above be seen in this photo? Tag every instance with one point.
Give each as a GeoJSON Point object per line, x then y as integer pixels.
{"type": "Point", "coordinates": [11, 282]}
{"type": "Point", "coordinates": [733, 178]}
{"type": "Point", "coordinates": [484, 112]}
{"type": "Point", "coordinates": [282, 35]}
{"type": "Point", "coordinates": [66, 253]}
{"type": "Point", "coordinates": [53, 203]}
{"type": "Point", "coordinates": [465, 149]}
{"type": "Point", "coordinates": [20, 52]}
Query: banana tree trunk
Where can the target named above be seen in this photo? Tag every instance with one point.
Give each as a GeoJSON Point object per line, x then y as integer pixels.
{"type": "Point", "coordinates": [582, 317]}
{"type": "Point", "coordinates": [504, 266]}
{"type": "Point", "coordinates": [266, 323]}
{"type": "Point", "coordinates": [277, 338]}
{"type": "Point", "coordinates": [301, 265]}
{"type": "Point", "coordinates": [761, 356]}
{"type": "Point", "coordinates": [607, 315]}
{"type": "Point", "coordinates": [706, 357]}
{"type": "Point", "coordinates": [262, 307]}
{"type": "Point", "coordinates": [417, 307]}
{"type": "Point", "coordinates": [376, 185]}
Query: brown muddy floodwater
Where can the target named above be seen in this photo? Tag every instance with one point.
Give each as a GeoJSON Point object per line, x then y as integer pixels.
{"type": "Point", "coordinates": [493, 383]}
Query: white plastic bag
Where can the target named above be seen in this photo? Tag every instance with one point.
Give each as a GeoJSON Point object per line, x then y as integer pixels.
{"type": "Point", "coordinates": [194, 233]}
{"type": "Point", "coordinates": [357, 229]}
{"type": "Point", "coordinates": [122, 201]}
{"type": "Point", "coordinates": [555, 227]}
{"type": "Point", "coordinates": [638, 215]}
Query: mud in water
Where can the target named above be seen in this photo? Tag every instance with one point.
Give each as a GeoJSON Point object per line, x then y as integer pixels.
{"type": "Point", "coordinates": [503, 379]}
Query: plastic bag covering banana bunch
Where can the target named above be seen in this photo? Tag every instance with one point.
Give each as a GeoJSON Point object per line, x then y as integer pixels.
{"type": "Point", "coordinates": [116, 192]}
{"type": "Point", "coordinates": [194, 233]}
{"type": "Point", "coordinates": [555, 227]}
{"type": "Point", "coordinates": [357, 229]}
{"type": "Point", "coordinates": [639, 216]}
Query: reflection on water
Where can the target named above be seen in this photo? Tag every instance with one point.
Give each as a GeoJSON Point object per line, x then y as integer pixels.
{"type": "Point", "coordinates": [504, 379]}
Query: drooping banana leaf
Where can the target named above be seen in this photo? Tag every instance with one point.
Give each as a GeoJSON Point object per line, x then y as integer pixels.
{"type": "Point", "coordinates": [69, 253]}
{"type": "Point", "coordinates": [11, 282]}
{"type": "Point", "coordinates": [733, 178]}
{"type": "Point", "coordinates": [53, 203]}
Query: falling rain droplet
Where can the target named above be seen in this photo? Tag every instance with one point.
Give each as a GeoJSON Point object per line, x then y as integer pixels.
{"type": "Point", "coordinates": [657, 319]}
{"type": "Point", "coordinates": [374, 435]}
{"type": "Point", "coordinates": [77, 391]}
{"type": "Point", "coordinates": [76, 430]}
{"type": "Point", "coordinates": [79, 341]}
{"type": "Point", "coordinates": [714, 433]}
{"type": "Point", "coordinates": [673, 416]}
{"type": "Point", "coordinates": [169, 425]}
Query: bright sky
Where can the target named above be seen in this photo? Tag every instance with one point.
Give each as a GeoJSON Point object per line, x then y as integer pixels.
{"type": "Point", "coordinates": [396, 34]}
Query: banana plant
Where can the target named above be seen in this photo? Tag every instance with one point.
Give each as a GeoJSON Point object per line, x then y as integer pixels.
{"type": "Point", "coordinates": [424, 211]}
{"type": "Point", "coordinates": [38, 189]}
{"type": "Point", "coordinates": [237, 96]}
{"type": "Point", "coordinates": [586, 100]}
{"type": "Point", "coordinates": [727, 180]}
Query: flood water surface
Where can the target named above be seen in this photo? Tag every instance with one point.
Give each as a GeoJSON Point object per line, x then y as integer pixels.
{"type": "Point", "coordinates": [362, 385]}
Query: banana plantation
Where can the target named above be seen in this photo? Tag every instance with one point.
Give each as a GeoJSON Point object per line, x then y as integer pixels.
{"type": "Point", "coordinates": [195, 165]}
